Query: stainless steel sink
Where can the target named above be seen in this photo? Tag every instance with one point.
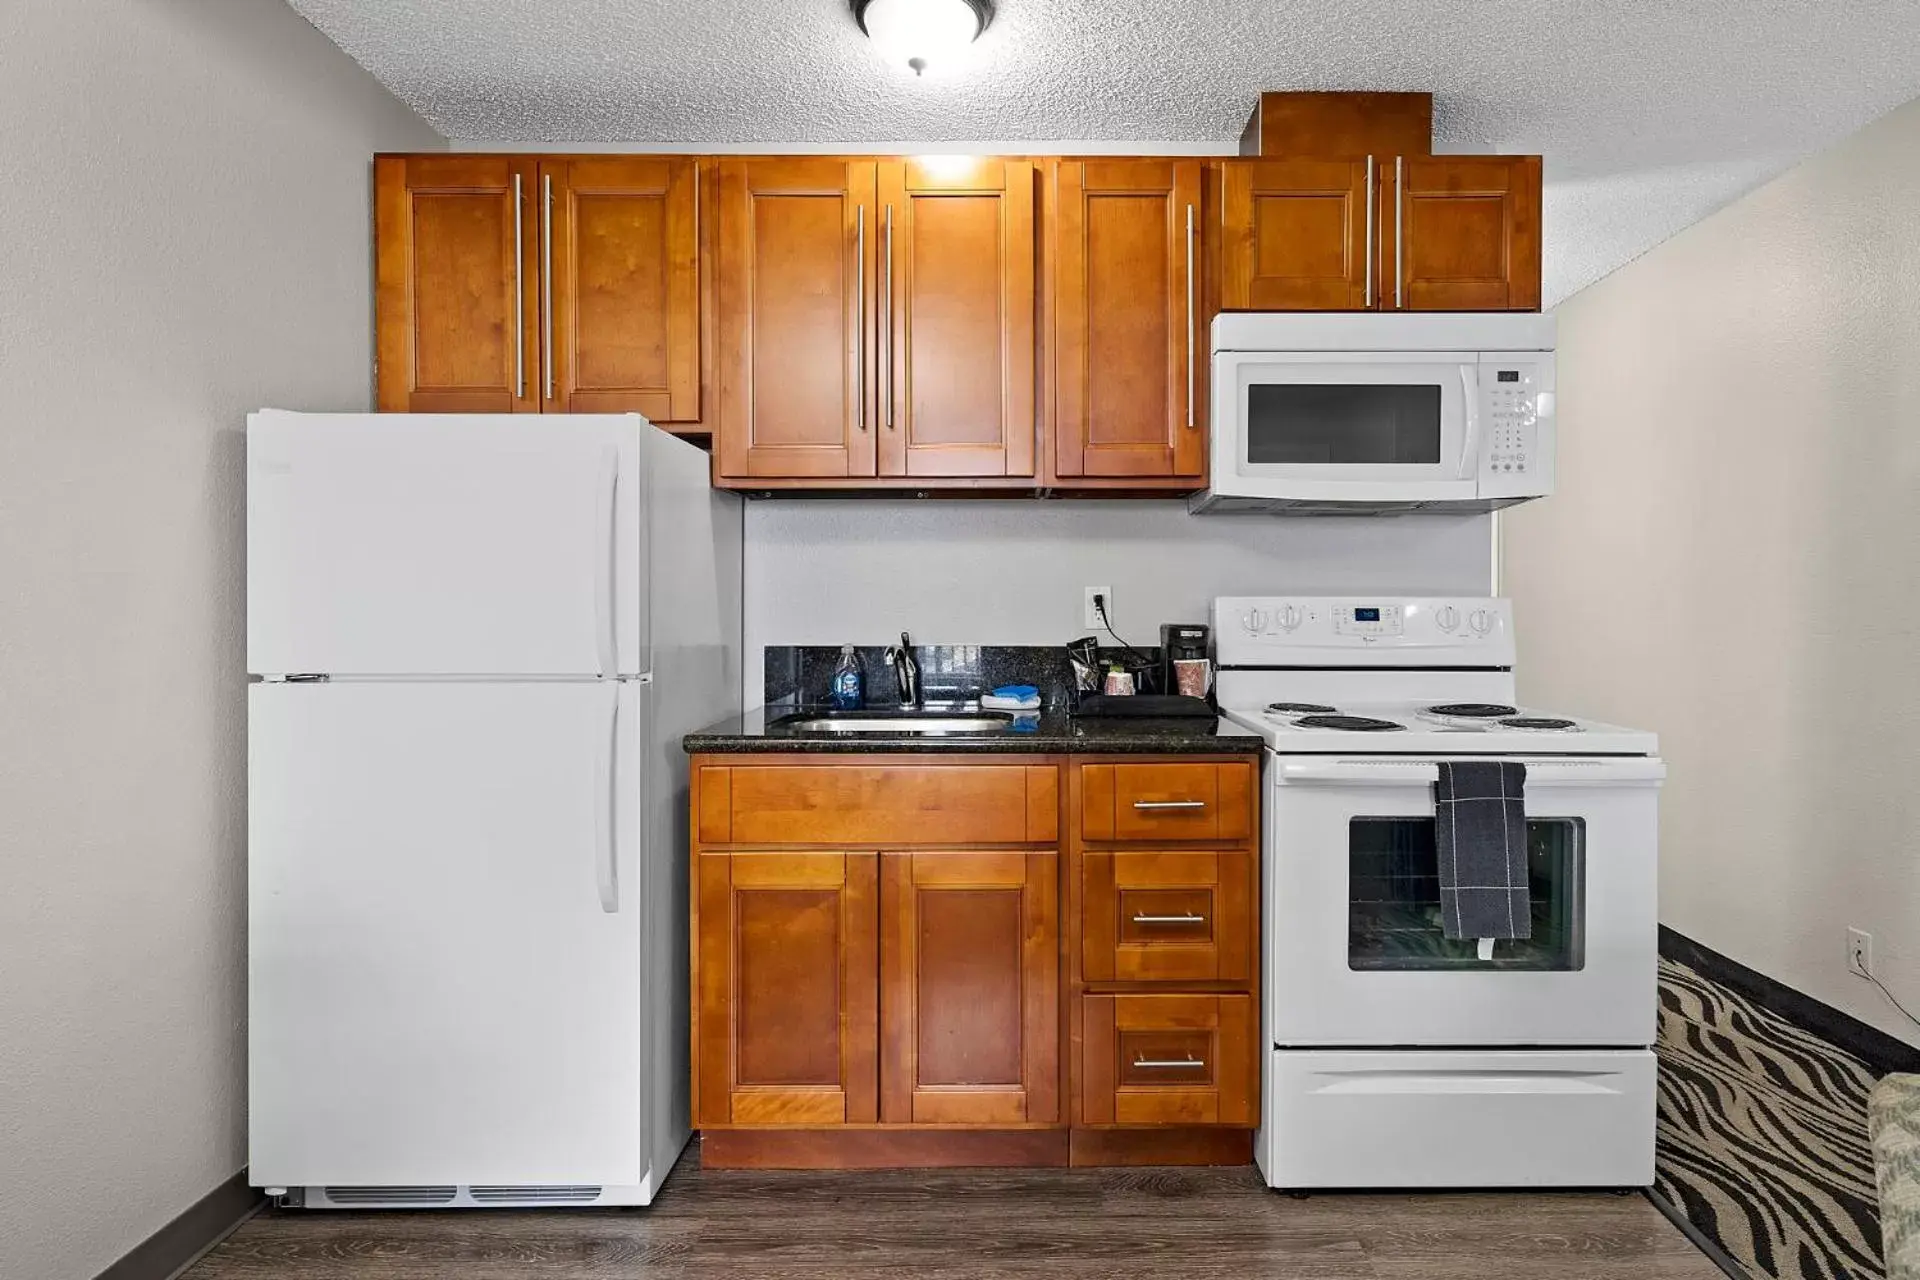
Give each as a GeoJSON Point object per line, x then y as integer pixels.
{"type": "Point", "coordinates": [922, 722]}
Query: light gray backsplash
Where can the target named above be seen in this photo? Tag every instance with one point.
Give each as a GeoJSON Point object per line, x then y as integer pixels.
{"type": "Point", "coordinates": [1013, 571]}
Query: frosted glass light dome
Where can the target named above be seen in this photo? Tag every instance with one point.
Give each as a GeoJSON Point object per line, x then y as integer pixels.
{"type": "Point", "coordinates": [923, 34]}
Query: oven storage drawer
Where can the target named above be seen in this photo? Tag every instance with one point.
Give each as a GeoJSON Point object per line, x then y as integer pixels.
{"type": "Point", "coordinates": [1167, 915]}
{"type": "Point", "coordinates": [1168, 1059]}
{"type": "Point", "coordinates": [1467, 1118]}
{"type": "Point", "coordinates": [1166, 801]}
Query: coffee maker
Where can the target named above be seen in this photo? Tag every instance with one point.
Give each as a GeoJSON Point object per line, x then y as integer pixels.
{"type": "Point", "coordinates": [1180, 642]}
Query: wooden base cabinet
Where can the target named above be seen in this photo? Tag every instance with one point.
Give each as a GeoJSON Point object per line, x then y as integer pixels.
{"type": "Point", "coordinates": [884, 974]}
{"type": "Point", "coordinates": [1163, 946]}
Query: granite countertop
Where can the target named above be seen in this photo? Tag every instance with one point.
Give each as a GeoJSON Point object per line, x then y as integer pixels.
{"type": "Point", "coordinates": [1056, 734]}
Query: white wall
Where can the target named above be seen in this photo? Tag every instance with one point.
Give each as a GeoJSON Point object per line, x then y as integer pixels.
{"type": "Point", "coordinates": [186, 217]}
{"type": "Point", "coordinates": [1014, 571]}
{"type": "Point", "coordinates": [1734, 556]}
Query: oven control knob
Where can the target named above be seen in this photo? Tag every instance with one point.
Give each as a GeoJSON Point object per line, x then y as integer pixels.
{"type": "Point", "coordinates": [1255, 621]}
{"type": "Point", "coordinates": [1481, 621]}
{"type": "Point", "coordinates": [1448, 617]}
{"type": "Point", "coordinates": [1289, 618]}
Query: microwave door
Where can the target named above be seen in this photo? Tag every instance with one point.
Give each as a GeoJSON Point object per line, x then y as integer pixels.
{"type": "Point", "coordinates": [1352, 426]}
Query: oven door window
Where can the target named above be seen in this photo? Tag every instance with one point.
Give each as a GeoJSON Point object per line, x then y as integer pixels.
{"type": "Point", "coordinates": [1324, 424]}
{"type": "Point", "coordinates": [1393, 900]}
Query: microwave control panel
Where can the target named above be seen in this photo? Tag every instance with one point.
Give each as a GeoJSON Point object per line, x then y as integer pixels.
{"type": "Point", "coordinates": [1516, 401]}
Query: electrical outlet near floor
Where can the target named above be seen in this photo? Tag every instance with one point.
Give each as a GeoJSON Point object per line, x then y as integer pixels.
{"type": "Point", "coordinates": [1859, 953]}
{"type": "Point", "coordinates": [1091, 614]}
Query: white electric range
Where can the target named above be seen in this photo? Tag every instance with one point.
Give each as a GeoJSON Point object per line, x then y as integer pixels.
{"type": "Point", "coordinates": [1395, 1056]}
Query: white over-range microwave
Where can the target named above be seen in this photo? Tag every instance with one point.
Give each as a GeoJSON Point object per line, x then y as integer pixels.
{"type": "Point", "coordinates": [1380, 414]}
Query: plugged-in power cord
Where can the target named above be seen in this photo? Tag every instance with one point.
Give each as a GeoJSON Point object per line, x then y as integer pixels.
{"type": "Point", "coordinates": [1100, 610]}
{"type": "Point", "coordinates": [1891, 998]}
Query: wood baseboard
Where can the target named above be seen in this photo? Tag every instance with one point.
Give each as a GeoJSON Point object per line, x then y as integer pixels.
{"type": "Point", "coordinates": [909, 1148]}
{"type": "Point", "coordinates": [903, 1148]}
{"type": "Point", "coordinates": [1192, 1146]}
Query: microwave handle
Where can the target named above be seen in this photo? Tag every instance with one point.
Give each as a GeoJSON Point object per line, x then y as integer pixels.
{"type": "Point", "coordinates": [1470, 438]}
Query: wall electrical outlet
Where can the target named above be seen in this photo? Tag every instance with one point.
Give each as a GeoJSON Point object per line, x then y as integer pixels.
{"type": "Point", "coordinates": [1091, 615]}
{"type": "Point", "coordinates": [1859, 953]}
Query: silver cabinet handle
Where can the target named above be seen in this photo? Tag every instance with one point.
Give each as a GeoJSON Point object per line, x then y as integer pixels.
{"type": "Point", "coordinates": [1169, 1064]}
{"type": "Point", "coordinates": [519, 303]}
{"type": "Point", "coordinates": [886, 320]}
{"type": "Point", "coordinates": [1367, 296]}
{"type": "Point", "coordinates": [1189, 317]}
{"type": "Point", "coordinates": [1169, 919]}
{"type": "Point", "coordinates": [859, 292]}
{"type": "Point", "coordinates": [546, 281]}
{"type": "Point", "coordinates": [1399, 232]}
{"type": "Point", "coordinates": [1169, 804]}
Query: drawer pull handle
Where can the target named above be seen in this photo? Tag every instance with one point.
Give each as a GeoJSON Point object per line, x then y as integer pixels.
{"type": "Point", "coordinates": [1169, 919]}
{"type": "Point", "coordinates": [1159, 1064]}
{"type": "Point", "coordinates": [1169, 804]}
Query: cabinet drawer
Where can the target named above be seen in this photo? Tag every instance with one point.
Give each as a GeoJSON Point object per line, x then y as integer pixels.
{"type": "Point", "coordinates": [1184, 916]}
{"type": "Point", "coordinates": [1167, 1060]}
{"type": "Point", "coordinates": [1166, 801]}
{"type": "Point", "coordinates": [880, 805]}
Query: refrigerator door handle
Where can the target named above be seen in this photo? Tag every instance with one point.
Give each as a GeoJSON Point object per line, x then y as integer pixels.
{"type": "Point", "coordinates": [606, 638]}
{"type": "Point", "coordinates": [606, 868]}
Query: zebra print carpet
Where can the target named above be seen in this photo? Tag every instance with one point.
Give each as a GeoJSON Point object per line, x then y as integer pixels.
{"type": "Point", "coordinates": [1763, 1140]}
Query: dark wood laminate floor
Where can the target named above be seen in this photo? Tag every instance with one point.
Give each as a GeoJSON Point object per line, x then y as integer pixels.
{"type": "Point", "coordinates": [1158, 1224]}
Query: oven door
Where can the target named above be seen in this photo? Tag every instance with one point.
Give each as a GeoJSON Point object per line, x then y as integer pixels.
{"type": "Point", "coordinates": [1354, 950]}
{"type": "Point", "coordinates": [1353, 426]}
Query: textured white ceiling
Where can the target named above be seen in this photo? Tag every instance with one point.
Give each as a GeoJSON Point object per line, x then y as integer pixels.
{"type": "Point", "coordinates": [1651, 113]}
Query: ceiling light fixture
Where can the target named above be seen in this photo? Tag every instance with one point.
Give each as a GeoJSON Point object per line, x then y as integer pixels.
{"type": "Point", "coordinates": [922, 33]}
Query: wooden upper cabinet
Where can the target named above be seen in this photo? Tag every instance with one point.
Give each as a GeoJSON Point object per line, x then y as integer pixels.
{"type": "Point", "coordinates": [786, 1012]}
{"type": "Point", "coordinates": [620, 270]}
{"type": "Point", "coordinates": [795, 271]}
{"type": "Point", "coordinates": [956, 238]}
{"type": "Point", "coordinates": [1461, 233]}
{"type": "Point", "coordinates": [1129, 347]}
{"type": "Point", "coordinates": [1296, 236]}
{"type": "Point", "coordinates": [969, 988]}
{"type": "Point", "coordinates": [455, 297]}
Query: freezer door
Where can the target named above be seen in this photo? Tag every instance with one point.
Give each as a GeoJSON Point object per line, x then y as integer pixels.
{"type": "Point", "coordinates": [446, 544]}
{"type": "Point", "coordinates": [445, 974]}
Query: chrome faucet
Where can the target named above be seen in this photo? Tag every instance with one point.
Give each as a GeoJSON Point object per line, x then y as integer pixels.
{"type": "Point", "coordinates": [906, 672]}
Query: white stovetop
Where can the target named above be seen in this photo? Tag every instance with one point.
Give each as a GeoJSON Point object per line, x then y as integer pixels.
{"type": "Point", "coordinates": [1423, 732]}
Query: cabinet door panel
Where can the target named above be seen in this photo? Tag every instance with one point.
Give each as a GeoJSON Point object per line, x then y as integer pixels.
{"type": "Point", "coordinates": [1128, 384]}
{"type": "Point", "coordinates": [969, 988]}
{"type": "Point", "coordinates": [796, 257]}
{"type": "Point", "coordinates": [787, 977]}
{"type": "Point", "coordinates": [456, 284]}
{"type": "Point", "coordinates": [957, 296]}
{"type": "Point", "coordinates": [1295, 235]}
{"type": "Point", "coordinates": [1471, 228]}
{"type": "Point", "coordinates": [625, 284]}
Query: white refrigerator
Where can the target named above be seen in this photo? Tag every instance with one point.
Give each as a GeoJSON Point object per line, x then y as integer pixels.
{"type": "Point", "coordinates": [474, 644]}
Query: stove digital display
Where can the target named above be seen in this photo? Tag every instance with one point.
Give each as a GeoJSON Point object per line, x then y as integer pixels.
{"type": "Point", "coordinates": [1366, 615]}
{"type": "Point", "coordinates": [1507, 375]}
